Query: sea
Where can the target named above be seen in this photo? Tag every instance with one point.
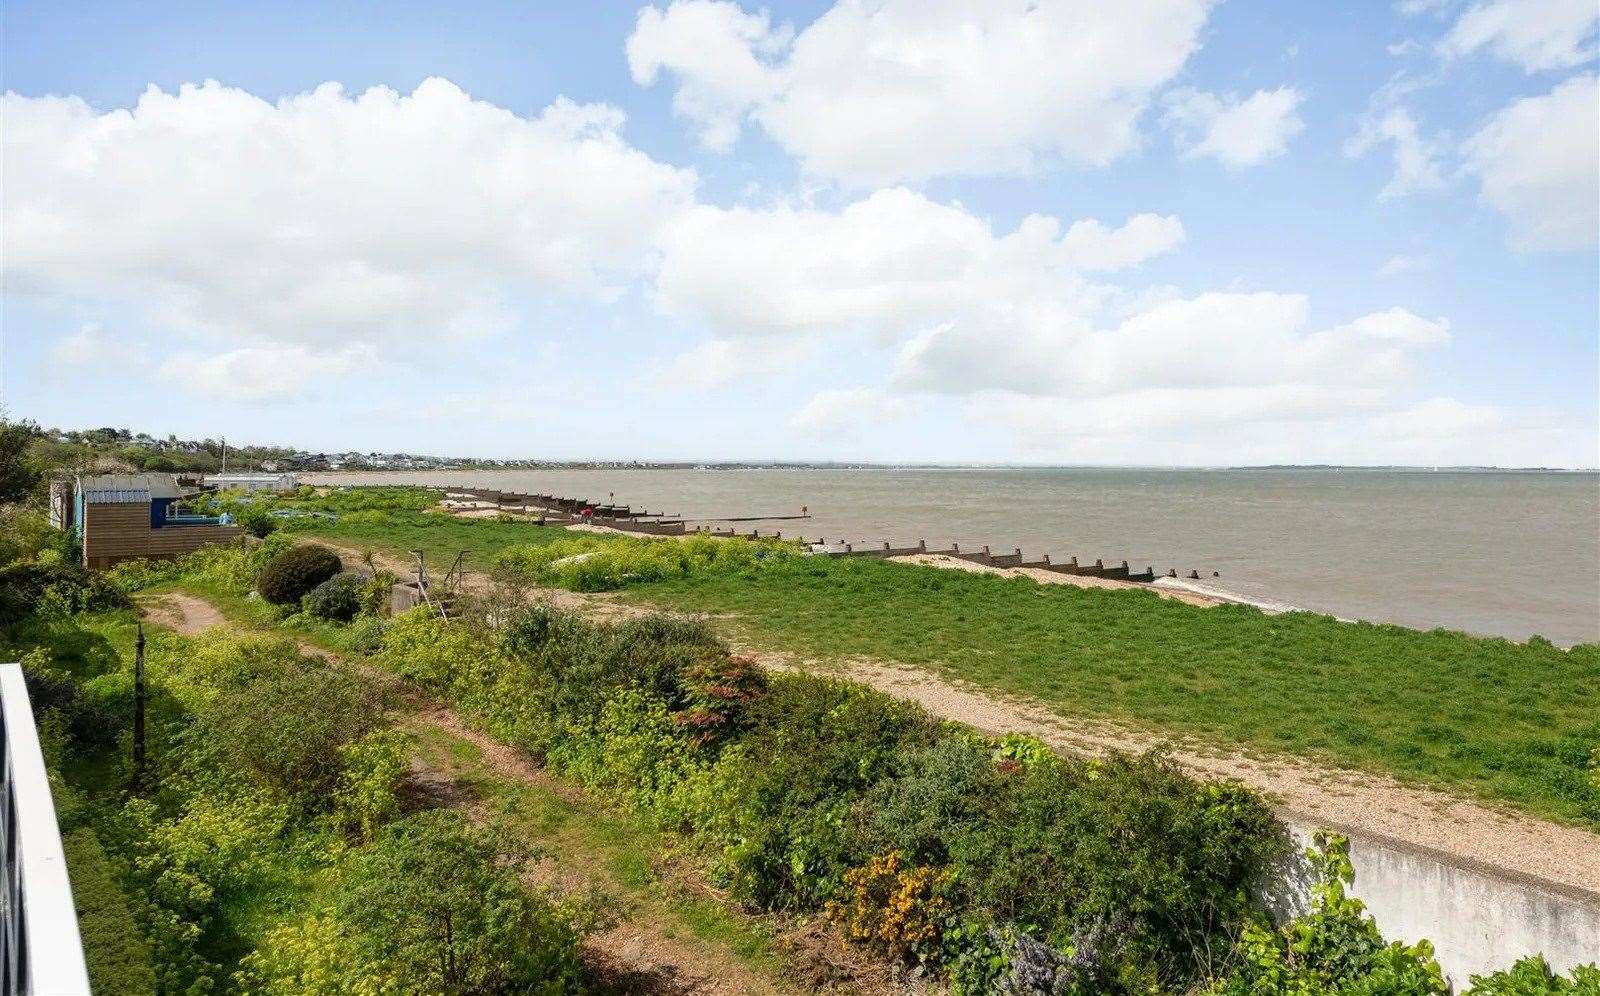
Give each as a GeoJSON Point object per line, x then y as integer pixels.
{"type": "Point", "coordinates": [1510, 554]}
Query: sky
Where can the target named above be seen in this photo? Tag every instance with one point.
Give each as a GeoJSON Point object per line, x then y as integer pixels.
{"type": "Point", "coordinates": [1159, 232]}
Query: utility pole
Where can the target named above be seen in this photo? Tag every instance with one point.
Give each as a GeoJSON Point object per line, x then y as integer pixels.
{"type": "Point", "coordinates": [138, 709]}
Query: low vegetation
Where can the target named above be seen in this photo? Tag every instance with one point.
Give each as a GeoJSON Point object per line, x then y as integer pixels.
{"type": "Point", "coordinates": [266, 848]}
{"type": "Point", "coordinates": [1508, 722]}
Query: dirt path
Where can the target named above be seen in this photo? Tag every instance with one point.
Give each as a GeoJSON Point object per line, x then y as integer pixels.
{"type": "Point", "coordinates": [1457, 829]}
{"type": "Point", "coordinates": [636, 954]}
{"type": "Point", "coordinates": [186, 614]}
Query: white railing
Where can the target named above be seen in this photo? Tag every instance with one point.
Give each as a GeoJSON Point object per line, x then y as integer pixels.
{"type": "Point", "coordinates": [41, 953]}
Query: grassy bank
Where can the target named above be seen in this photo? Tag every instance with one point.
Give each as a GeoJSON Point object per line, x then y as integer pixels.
{"type": "Point", "coordinates": [1511, 722]}
{"type": "Point", "coordinates": [1515, 723]}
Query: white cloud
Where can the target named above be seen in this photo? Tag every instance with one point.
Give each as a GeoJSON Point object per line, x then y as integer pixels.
{"type": "Point", "coordinates": [718, 362]}
{"type": "Point", "coordinates": [91, 347]}
{"type": "Point", "coordinates": [1537, 35]}
{"type": "Point", "coordinates": [1416, 165]}
{"type": "Point", "coordinates": [1412, 8]}
{"type": "Point", "coordinates": [1214, 342]}
{"type": "Point", "coordinates": [884, 91]}
{"type": "Point", "coordinates": [1283, 426]}
{"type": "Point", "coordinates": [1400, 264]}
{"type": "Point", "coordinates": [1009, 325]}
{"type": "Point", "coordinates": [844, 414]}
{"type": "Point", "coordinates": [1236, 132]}
{"type": "Point", "coordinates": [327, 218]}
{"type": "Point", "coordinates": [1538, 163]}
{"type": "Point", "coordinates": [1401, 49]}
{"type": "Point", "coordinates": [884, 267]}
{"type": "Point", "coordinates": [262, 373]}
{"type": "Point", "coordinates": [720, 55]}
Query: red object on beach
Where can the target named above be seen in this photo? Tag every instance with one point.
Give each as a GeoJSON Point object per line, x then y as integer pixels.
{"type": "Point", "coordinates": [587, 513]}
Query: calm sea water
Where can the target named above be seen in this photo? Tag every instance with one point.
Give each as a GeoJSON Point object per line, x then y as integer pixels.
{"type": "Point", "coordinates": [1506, 554]}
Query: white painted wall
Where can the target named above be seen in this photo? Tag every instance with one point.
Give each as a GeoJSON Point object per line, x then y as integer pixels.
{"type": "Point", "coordinates": [1478, 921]}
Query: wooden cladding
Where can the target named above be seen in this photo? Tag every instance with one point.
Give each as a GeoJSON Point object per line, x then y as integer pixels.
{"type": "Point", "coordinates": [114, 532]}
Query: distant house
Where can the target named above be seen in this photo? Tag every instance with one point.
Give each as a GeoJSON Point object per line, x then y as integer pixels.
{"type": "Point", "coordinates": [119, 517]}
{"type": "Point", "coordinates": [252, 482]}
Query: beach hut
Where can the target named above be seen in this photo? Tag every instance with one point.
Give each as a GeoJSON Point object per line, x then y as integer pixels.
{"type": "Point", "coordinates": [119, 517]}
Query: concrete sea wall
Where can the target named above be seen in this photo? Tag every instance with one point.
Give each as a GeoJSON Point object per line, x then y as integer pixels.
{"type": "Point", "coordinates": [1479, 920]}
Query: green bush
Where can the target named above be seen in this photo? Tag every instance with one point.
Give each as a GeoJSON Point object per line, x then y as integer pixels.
{"type": "Point", "coordinates": [337, 599]}
{"type": "Point", "coordinates": [797, 789]}
{"type": "Point", "coordinates": [292, 574]}
{"type": "Point", "coordinates": [605, 563]}
{"type": "Point", "coordinates": [62, 588]}
{"type": "Point", "coordinates": [114, 947]}
{"type": "Point", "coordinates": [1334, 948]}
{"type": "Point", "coordinates": [1533, 977]}
{"type": "Point", "coordinates": [290, 725]}
{"type": "Point", "coordinates": [257, 521]}
{"type": "Point", "coordinates": [439, 903]}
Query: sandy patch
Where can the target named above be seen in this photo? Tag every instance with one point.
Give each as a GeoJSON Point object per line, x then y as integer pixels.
{"type": "Point", "coordinates": [1051, 577]}
{"type": "Point", "coordinates": [185, 614]}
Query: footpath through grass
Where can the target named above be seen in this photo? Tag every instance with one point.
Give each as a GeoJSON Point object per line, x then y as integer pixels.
{"type": "Point", "coordinates": [1516, 723]}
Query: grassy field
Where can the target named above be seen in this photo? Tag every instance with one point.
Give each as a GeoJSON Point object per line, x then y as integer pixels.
{"type": "Point", "coordinates": [439, 537]}
{"type": "Point", "coordinates": [1516, 723]}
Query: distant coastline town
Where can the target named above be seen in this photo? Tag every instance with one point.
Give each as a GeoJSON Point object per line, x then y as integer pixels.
{"type": "Point", "coordinates": [124, 450]}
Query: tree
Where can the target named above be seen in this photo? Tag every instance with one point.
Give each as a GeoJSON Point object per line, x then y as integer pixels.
{"type": "Point", "coordinates": [18, 475]}
{"type": "Point", "coordinates": [437, 902]}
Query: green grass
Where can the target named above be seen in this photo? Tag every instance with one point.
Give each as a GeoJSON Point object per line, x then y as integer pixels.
{"type": "Point", "coordinates": [1509, 722]}
{"type": "Point", "coordinates": [439, 537]}
{"type": "Point", "coordinates": [1514, 723]}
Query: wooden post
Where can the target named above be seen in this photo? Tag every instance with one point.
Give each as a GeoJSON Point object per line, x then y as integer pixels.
{"type": "Point", "coordinates": [138, 709]}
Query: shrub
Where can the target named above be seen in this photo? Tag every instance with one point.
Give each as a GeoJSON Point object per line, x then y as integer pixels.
{"type": "Point", "coordinates": [67, 588]}
{"type": "Point", "coordinates": [602, 563]}
{"type": "Point", "coordinates": [257, 521]}
{"type": "Point", "coordinates": [894, 907]}
{"type": "Point", "coordinates": [290, 725]}
{"type": "Point", "coordinates": [718, 689]}
{"type": "Point", "coordinates": [364, 636]}
{"type": "Point", "coordinates": [439, 903]}
{"type": "Point", "coordinates": [292, 574]}
{"type": "Point", "coordinates": [117, 955]}
{"type": "Point", "coordinates": [1532, 976]}
{"type": "Point", "coordinates": [1069, 847]}
{"type": "Point", "coordinates": [1334, 948]}
{"type": "Point", "coordinates": [337, 599]}
{"type": "Point", "coordinates": [373, 768]}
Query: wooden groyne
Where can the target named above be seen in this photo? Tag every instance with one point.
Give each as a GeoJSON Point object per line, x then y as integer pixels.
{"type": "Point", "coordinates": [559, 510]}
{"type": "Point", "coordinates": [988, 558]}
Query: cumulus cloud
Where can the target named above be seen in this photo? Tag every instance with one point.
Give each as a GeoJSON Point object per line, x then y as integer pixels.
{"type": "Point", "coordinates": [884, 91]}
{"type": "Point", "coordinates": [1284, 426]}
{"type": "Point", "coordinates": [327, 218]}
{"type": "Point", "coordinates": [717, 362]}
{"type": "Point", "coordinates": [1236, 132]}
{"type": "Point", "coordinates": [1012, 327]}
{"type": "Point", "coordinates": [1537, 35]}
{"type": "Point", "coordinates": [1221, 342]}
{"type": "Point", "coordinates": [263, 373]}
{"type": "Point", "coordinates": [843, 414]}
{"type": "Point", "coordinates": [1538, 164]}
{"type": "Point", "coordinates": [885, 266]}
{"type": "Point", "coordinates": [1416, 162]}
{"type": "Point", "coordinates": [91, 347]}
